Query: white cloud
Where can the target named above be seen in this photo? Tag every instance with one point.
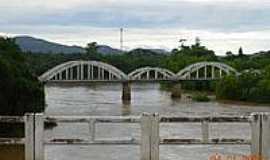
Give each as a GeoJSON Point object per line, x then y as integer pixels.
{"type": "Point", "coordinates": [53, 4]}
{"type": "Point", "coordinates": [152, 38]}
{"type": "Point", "coordinates": [39, 5]}
{"type": "Point", "coordinates": [222, 24]}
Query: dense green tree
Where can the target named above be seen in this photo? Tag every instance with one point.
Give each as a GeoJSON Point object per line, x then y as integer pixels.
{"type": "Point", "coordinates": [249, 86]}
{"type": "Point", "coordinates": [229, 54]}
{"type": "Point", "coordinates": [228, 88]}
{"type": "Point", "coordinates": [92, 50]}
{"type": "Point", "coordinates": [262, 93]}
{"type": "Point", "coordinates": [240, 52]}
{"type": "Point", "coordinates": [20, 91]}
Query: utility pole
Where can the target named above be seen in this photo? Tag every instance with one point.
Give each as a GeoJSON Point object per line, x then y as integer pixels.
{"type": "Point", "coordinates": [121, 39]}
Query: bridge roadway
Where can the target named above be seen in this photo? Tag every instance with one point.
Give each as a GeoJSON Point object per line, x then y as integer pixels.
{"type": "Point", "coordinates": [94, 71]}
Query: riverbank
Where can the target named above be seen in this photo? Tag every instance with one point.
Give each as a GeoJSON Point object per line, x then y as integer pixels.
{"type": "Point", "coordinates": [245, 103]}
{"type": "Point", "coordinates": [211, 95]}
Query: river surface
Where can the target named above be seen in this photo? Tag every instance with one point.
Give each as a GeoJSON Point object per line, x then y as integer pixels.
{"type": "Point", "coordinates": [105, 99]}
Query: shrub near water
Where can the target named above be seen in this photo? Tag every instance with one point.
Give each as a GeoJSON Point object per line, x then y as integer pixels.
{"type": "Point", "coordinates": [200, 97]}
{"type": "Point", "coordinates": [251, 87]}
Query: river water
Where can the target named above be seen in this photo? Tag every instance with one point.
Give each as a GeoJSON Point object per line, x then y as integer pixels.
{"type": "Point", "coordinates": [105, 99]}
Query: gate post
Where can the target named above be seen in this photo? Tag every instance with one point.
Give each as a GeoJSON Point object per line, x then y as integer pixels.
{"type": "Point", "coordinates": [29, 136]}
{"type": "Point", "coordinates": [205, 131]}
{"type": "Point", "coordinates": [34, 127]}
{"type": "Point", "coordinates": [260, 132]}
{"type": "Point", "coordinates": [92, 130]}
{"type": "Point", "coordinates": [145, 137]}
{"type": "Point", "coordinates": [39, 131]}
{"type": "Point", "coordinates": [266, 136]}
{"type": "Point", "coordinates": [155, 137]}
{"type": "Point", "coordinates": [149, 137]}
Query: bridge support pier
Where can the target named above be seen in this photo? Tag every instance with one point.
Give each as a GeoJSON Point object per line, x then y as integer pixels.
{"type": "Point", "coordinates": [126, 91]}
{"type": "Point", "coordinates": [176, 90]}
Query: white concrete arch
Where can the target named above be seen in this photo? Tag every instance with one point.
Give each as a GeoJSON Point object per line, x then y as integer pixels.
{"type": "Point", "coordinates": [83, 70]}
{"type": "Point", "coordinates": [151, 73]}
{"type": "Point", "coordinates": [200, 71]}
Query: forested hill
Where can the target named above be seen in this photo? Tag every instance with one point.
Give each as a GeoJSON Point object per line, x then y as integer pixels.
{"type": "Point", "coordinates": [35, 45]}
{"type": "Point", "coordinates": [41, 46]}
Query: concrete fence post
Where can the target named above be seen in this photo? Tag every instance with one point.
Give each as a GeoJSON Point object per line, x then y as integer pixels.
{"type": "Point", "coordinates": [266, 136]}
{"type": "Point", "coordinates": [150, 137]}
{"type": "Point", "coordinates": [39, 131]}
{"type": "Point", "coordinates": [205, 131]}
{"type": "Point", "coordinates": [260, 132]}
{"type": "Point", "coordinates": [29, 136]}
{"type": "Point", "coordinates": [155, 139]}
{"type": "Point", "coordinates": [256, 134]}
{"type": "Point", "coordinates": [145, 137]}
{"type": "Point", "coordinates": [34, 127]}
{"type": "Point", "coordinates": [92, 130]}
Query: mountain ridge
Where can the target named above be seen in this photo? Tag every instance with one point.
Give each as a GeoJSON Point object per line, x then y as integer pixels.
{"type": "Point", "coordinates": [42, 46]}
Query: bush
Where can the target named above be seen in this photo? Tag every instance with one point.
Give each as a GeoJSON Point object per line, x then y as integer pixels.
{"type": "Point", "coordinates": [200, 97]}
{"type": "Point", "coordinates": [248, 86]}
{"type": "Point", "coordinates": [228, 88]}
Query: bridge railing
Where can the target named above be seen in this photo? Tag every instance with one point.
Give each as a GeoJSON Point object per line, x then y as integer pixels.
{"type": "Point", "coordinates": [150, 138]}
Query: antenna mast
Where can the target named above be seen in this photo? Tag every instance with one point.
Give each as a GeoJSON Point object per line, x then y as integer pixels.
{"type": "Point", "coordinates": [121, 39]}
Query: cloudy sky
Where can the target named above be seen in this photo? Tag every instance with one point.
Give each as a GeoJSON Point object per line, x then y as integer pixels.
{"type": "Point", "coordinates": [222, 25]}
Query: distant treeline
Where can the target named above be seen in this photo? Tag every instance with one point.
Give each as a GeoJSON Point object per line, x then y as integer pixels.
{"type": "Point", "coordinates": [176, 60]}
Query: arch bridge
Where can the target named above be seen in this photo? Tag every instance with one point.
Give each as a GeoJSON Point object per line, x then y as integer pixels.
{"type": "Point", "coordinates": [206, 71]}
{"type": "Point", "coordinates": [83, 71]}
{"type": "Point", "coordinates": [94, 71]}
{"type": "Point", "coordinates": [98, 71]}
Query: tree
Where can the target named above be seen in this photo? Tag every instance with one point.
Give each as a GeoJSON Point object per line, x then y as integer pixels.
{"type": "Point", "coordinates": [229, 54]}
{"type": "Point", "coordinates": [182, 41]}
{"type": "Point", "coordinates": [228, 88]}
{"type": "Point", "coordinates": [240, 52]}
{"type": "Point", "coordinates": [91, 48]}
{"type": "Point", "coordinates": [197, 42]}
{"type": "Point", "coordinates": [20, 91]}
{"type": "Point", "coordinates": [174, 51]}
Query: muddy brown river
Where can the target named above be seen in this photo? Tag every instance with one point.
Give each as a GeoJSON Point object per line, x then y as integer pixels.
{"type": "Point", "coordinates": [105, 99]}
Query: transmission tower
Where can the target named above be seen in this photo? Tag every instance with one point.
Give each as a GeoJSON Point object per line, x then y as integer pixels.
{"type": "Point", "coordinates": [121, 38]}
